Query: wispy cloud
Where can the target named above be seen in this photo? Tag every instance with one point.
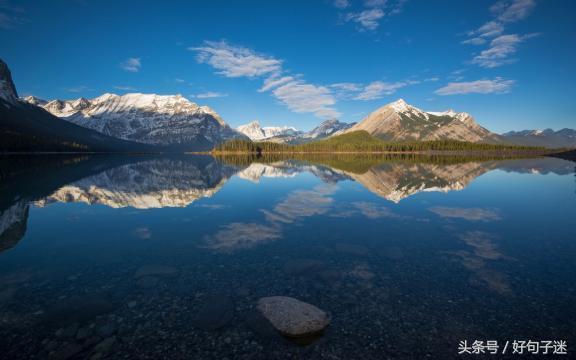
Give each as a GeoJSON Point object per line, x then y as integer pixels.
{"type": "Point", "coordinates": [302, 97]}
{"type": "Point", "coordinates": [504, 12]}
{"type": "Point", "coordinates": [235, 61]}
{"type": "Point", "coordinates": [78, 89]}
{"type": "Point", "coordinates": [341, 4]}
{"type": "Point", "coordinates": [501, 48]}
{"type": "Point", "coordinates": [374, 11]}
{"type": "Point", "coordinates": [294, 92]}
{"type": "Point", "coordinates": [275, 81]}
{"type": "Point", "coordinates": [131, 64]}
{"type": "Point", "coordinates": [367, 19]}
{"type": "Point", "coordinates": [11, 16]}
{"type": "Point", "coordinates": [377, 89]}
{"type": "Point", "coordinates": [180, 81]}
{"type": "Point", "coordinates": [124, 88]}
{"type": "Point", "coordinates": [497, 85]}
{"type": "Point", "coordinates": [209, 94]}
{"type": "Point", "coordinates": [470, 214]}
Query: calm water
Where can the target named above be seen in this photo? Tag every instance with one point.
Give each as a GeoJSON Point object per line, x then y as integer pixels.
{"type": "Point", "coordinates": [152, 258]}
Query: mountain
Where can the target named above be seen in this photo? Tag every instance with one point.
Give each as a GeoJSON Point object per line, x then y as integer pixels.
{"type": "Point", "coordinates": [255, 132]}
{"type": "Point", "coordinates": [26, 127]}
{"type": "Point", "coordinates": [399, 121]}
{"type": "Point", "coordinates": [34, 100]}
{"type": "Point", "coordinates": [8, 94]}
{"type": "Point", "coordinates": [327, 128]}
{"type": "Point", "coordinates": [163, 120]}
{"type": "Point", "coordinates": [290, 135]}
{"type": "Point", "coordinates": [565, 138]}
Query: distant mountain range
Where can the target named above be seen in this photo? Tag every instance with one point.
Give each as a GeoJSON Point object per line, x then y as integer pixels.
{"type": "Point", "coordinates": [26, 127]}
{"type": "Point", "coordinates": [150, 122]}
{"type": "Point", "coordinates": [286, 134]}
{"type": "Point", "coordinates": [168, 121]}
{"type": "Point", "coordinates": [548, 138]}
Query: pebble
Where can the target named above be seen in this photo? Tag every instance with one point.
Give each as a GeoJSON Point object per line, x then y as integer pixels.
{"type": "Point", "coordinates": [292, 317]}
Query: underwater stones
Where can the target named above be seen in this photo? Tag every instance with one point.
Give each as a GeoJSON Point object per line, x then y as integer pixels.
{"type": "Point", "coordinates": [352, 249]}
{"type": "Point", "coordinates": [156, 270]}
{"type": "Point", "coordinates": [77, 309]}
{"type": "Point", "coordinates": [292, 317]}
{"type": "Point", "coordinates": [215, 313]}
{"type": "Point", "coordinates": [302, 266]}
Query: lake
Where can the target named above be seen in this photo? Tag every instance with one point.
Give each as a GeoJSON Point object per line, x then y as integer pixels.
{"type": "Point", "coordinates": [150, 257]}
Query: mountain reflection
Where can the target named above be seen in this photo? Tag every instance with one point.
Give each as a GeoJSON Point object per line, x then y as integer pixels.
{"type": "Point", "coordinates": [147, 182]}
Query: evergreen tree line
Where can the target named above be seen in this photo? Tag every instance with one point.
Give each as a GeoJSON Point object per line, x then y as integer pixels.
{"type": "Point", "coordinates": [363, 142]}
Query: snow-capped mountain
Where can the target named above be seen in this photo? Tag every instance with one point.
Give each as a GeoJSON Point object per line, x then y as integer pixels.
{"type": "Point", "coordinates": [255, 132]}
{"type": "Point", "coordinates": [286, 134]}
{"type": "Point", "coordinates": [547, 138]}
{"type": "Point", "coordinates": [34, 100]}
{"type": "Point", "coordinates": [166, 120]}
{"type": "Point", "coordinates": [8, 92]}
{"type": "Point", "coordinates": [27, 127]}
{"type": "Point", "coordinates": [150, 184]}
{"type": "Point", "coordinates": [327, 128]}
{"type": "Point", "coordinates": [399, 121]}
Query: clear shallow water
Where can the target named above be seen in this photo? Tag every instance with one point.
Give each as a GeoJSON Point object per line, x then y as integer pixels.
{"type": "Point", "coordinates": [140, 257]}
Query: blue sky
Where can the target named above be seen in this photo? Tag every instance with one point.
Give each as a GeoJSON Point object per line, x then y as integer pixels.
{"type": "Point", "coordinates": [511, 63]}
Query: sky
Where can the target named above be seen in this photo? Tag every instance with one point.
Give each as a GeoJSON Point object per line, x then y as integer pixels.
{"type": "Point", "coordinates": [509, 63]}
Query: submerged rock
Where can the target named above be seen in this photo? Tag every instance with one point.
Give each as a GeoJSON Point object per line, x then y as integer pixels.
{"type": "Point", "coordinates": [292, 317]}
{"type": "Point", "coordinates": [216, 312]}
{"type": "Point", "coordinates": [156, 270]}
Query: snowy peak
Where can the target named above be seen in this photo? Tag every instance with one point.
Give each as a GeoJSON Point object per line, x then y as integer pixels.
{"type": "Point", "coordinates": [170, 120]}
{"type": "Point", "coordinates": [564, 138]}
{"type": "Point", "coordinates": [327, 128]}
{"type": "Point", "coordinates": [7, 89]}
{"type": "Point", "coordinates": [33, 100]}
{"type": "Point", "coordinates": [255, 132]}
{"type": "Point", "coordinates": [399, 121]}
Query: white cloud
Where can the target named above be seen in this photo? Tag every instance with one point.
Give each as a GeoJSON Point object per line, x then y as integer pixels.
{"type": "Point", "coordinates": [209, 94]}
{"type": "Point", "coordinates": [11, 16]}
{"type": "Point", "coordinates": [499, 51]}
{"type": "Point", "coordinates": [236, 61]}
{"type": "Point", "coordinates": [512, 11]}
{"type": "Point", "coordinates": [181, 81]}
{"type": "Point", "coordinates": [470, 214]}
{"type": "Point", "coordinates": [302, 97]}
{"type": "Point", "coordinates": [341, 4]}
{"type": "Point", "coordinates": [347, 86]}
{"type": "Point", "coordinates": [124, 88]}
{"type": "Point", "coordinates": [78, 89]}
{"type": "Point", "coordinates": [375, 3]}
{"type": "Point", "coordinates": [498, 86]}
{"type": "Point", "coordinates": [475, 41]}
{"type": "Point", "coordinates": [502, 46]}
{"type": "Point", "coordinates": [131, 65]}
{"type": "Point", "coordinates": [367, 19]}
{"type": "Point", "coordinates": [377, 89]}
{"type": "Point", "coordinates": [275, 81]}
{"type": "Point", "coordinates": [298, 95]}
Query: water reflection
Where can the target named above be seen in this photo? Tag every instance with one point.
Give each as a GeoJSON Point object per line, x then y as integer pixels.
{"type": "Point", "coordinates": [167, 257]}
{"type": "Point", "coordinates": [144, 182]}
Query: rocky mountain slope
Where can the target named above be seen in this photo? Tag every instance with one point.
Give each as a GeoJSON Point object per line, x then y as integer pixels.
{"type": "Point", "coordinates": [26, 127]}
{"type": "Point", "coordinates": [256, 133]}
{"type": "Point", "coordinates": [286, 134]}
{"type": "Point", "coordinates": [565, 138]}
{"type": "Point", "coordinates": [399, 121]}
{"type": "Point", "coordinates": [170, 121]}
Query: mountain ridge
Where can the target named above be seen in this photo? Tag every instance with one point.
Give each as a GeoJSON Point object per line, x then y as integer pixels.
{"type": "Point", "coordinates": [161, 120]}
